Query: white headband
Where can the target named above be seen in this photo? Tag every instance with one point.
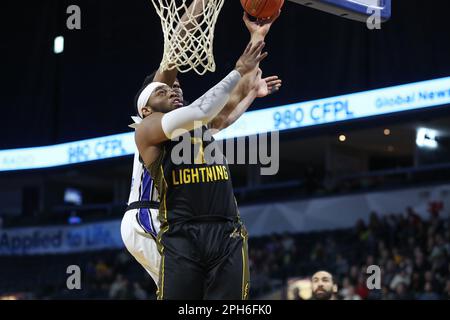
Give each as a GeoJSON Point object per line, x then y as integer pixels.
{"type": "Point", "coordinates": [145, 95]}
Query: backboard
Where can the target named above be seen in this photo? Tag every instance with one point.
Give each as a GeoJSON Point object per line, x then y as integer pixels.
{"type": "Point", "coordinates": [351, 9]}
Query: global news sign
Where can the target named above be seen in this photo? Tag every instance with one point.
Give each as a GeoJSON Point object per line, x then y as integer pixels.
{"type": "Point", "coordinates": [408, 97]}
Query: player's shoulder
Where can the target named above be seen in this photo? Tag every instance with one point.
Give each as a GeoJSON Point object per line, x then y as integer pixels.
{"type": "Point", "coordinates": [149, 128]}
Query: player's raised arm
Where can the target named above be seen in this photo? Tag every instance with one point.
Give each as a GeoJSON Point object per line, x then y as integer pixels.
{"type": "Point", "coordinates": [258, 31]}
{"type": "Point", "coordinates": [195, 9]}
{"type": "Point", "coordinates": [164, 115]}
{"type": "Point", "coordinates": [260, 88]}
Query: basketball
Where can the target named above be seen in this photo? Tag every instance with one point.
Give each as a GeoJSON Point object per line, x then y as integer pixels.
{"type": "Point", "coordinates": [262, 9]}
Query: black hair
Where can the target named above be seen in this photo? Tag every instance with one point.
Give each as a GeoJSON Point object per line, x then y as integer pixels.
{"type": "Point", "coordinates": [148, 79]}
{"type": "Point", "coordinates": [333, 280]}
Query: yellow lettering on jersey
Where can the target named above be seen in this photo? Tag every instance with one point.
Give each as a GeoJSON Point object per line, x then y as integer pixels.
{"type": "Point", "coordinates": [225, 172]}
{"type": "Point", "coordinates": [219, 172]}
{"type": "Point", "coordinates": [202, 171]}
{"type": "Point", "coordinates": [174, 178]}
{"type": "Point", "coordinates": [213, 169]}
{"type": "Point", "coordinates": [187, 176]}
{"type": "Point", "coordinates": [209, 176]}
{"type": "Point", "coordinates": [194, 175]}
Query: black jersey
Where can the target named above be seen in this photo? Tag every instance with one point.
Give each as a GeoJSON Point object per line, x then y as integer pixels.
{"type": "Point", "coordinates": [198, 187]}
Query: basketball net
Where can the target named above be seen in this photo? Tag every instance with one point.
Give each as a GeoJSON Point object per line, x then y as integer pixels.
{"type": "Point", "coordinates": [188, 41]}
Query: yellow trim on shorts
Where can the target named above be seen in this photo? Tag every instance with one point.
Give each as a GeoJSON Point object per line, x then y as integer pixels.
{"type": "Point", "coordinates": [163, 219]}
{"type": "Point", "coordinates": [160, 291]}
{"type": "Point", "coordinates": [245, 270]}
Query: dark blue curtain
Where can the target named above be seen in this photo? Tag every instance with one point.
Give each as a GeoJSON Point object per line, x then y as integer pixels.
{"type": "Point", "coordinates": [88, 90]}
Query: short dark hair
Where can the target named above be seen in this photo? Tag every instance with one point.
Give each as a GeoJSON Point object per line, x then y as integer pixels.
{"type": "Point", "coordinates": [148, 79]}
{"type": "Point", "coordinates": [333, 280]}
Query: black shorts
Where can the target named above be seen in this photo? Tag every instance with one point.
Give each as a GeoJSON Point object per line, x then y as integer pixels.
{"type": "Point", "coordinates": [204, 261]}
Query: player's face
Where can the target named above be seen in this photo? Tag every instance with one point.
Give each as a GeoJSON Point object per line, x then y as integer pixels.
{"type": "Point", "coordinates": [164, 99]}
{"type": "Point", "coordinates": [322, 286]}
{"type": "Point", "coordinates": [177, 89]}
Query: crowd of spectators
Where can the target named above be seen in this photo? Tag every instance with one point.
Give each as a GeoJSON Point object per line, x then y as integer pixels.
{"type": "Point", "coordinates": [412, 253]}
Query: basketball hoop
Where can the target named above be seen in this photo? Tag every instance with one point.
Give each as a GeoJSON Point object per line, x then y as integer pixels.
{"type": "Point", "coordinates": [188, 34]}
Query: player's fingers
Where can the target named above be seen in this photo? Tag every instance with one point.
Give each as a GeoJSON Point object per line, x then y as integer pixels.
{"type": "Point", "coordinates": [245, 18]}
{"type": "Point", "coordinates": [257, 48]}
{"type": "Point", "coordinates": [271, 78]}
{"type": "Point", "coordinates": [274, 90]}
{"type": "Point", "coordinates": [262, 57]}
{"type": "Point", "coordinates": [277, 85]}
{"type": "Point", "coordinates": [274, 83]}
{"type": "Point", "coordinates": [249, 48]}
{"type": "Point", "coordinates": [275, 17]}
{"type": "Point", "coordinates": [271, 20]}
{"type": "Point", "coordinates": [261, 47]}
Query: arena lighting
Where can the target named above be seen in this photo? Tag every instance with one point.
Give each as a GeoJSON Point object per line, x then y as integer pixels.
{"type": "Point", "coordinates": [426, 138]}
{"type": "Point", "coordinates": [358, 10]}
{"type": "Point", "coordinates": [58, 46]}
{"type": "Point", "coordinates": [73, 196]}
{"type": "Point", "coordinates": [386, 101]}
{"type": "Point", "coordinates": [74, 219]}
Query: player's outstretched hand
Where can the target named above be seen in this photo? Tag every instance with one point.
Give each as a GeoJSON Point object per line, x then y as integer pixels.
{"type": "Point", "coordinates": [273, 84]}
{"type": "Point", "coordinates": [259, 27]}
{"type": "Point", "coordinates": [251, 57]}
{"type": "Point", "coordinates": [266, 86]}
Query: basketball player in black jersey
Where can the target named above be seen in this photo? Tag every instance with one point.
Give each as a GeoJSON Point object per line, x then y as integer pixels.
{"type": "Point", "coordinates": [202, 241]}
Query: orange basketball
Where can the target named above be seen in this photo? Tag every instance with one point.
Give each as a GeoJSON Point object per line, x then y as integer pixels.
{"type": "Point", "coordinates": [262, 9]}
